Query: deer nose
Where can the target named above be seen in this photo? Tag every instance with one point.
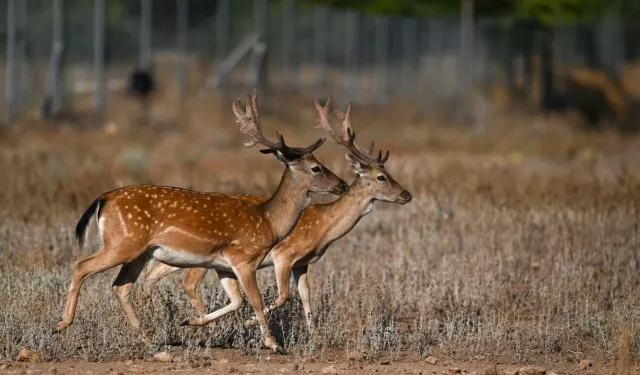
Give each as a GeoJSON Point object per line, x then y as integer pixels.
{"type": "Point", "coordinates": [406, 196]}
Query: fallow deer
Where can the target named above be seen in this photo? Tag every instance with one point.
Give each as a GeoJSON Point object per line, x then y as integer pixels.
{"type": "Point", "coordinates": [186, 228]}
{"type": "Point", "coordinates": [319, 226]}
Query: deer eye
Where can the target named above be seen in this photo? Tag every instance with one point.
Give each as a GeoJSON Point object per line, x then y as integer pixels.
{"type": "Point", "coordinates": [382, 178]}
{"type": "Point", "coordinates": [316, 169]}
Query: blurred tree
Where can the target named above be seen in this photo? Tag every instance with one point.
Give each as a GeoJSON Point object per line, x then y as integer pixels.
{"type": "Point", "coordinates": [164, 11]}
{"type": "Point", "coordinates": [542, 10]}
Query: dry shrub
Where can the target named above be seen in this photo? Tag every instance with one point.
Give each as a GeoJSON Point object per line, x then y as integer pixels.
{"type": "Point", "coordinates": [526, 257]}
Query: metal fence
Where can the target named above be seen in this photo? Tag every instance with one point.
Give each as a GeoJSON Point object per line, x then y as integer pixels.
{"type": "Point", "coordinates": [66, 49]}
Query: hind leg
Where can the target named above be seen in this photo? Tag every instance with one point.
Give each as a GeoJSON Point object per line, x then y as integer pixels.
{"type": "Point", "coordinates": [103, 260]}
{"type": "Point", "coordinates": [154, 273]}
{"type": "Point", "coordinates": [191, 285]}
{"type": "Point", "coordinates": [128, 275]}
{"type": "Point", "coordinates": [230, 284]}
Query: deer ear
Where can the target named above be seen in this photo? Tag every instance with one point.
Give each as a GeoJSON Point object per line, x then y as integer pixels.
{"type": "Point", "coordinates": [358, 167]}
{"type": "Point", "coordinates": [281, 157]}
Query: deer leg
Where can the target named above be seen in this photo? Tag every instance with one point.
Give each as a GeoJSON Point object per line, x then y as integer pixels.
{"type": "Point", "coordinates": [300, 277]}
{"type": "Point", "coordinates": [101, 261]}
{"type": "Point", "coordinates": [122, 285]}
{"type": "Point", "coordinates": [154, 273]}
{"type": "Point", "coordinates": [283, 279]}
{"type": "Point", "coordinates": [229, 282]}
{"type": "Point", "coordinates": [247, 276]}
{"type": "Point", "coordinates": [191, 285]}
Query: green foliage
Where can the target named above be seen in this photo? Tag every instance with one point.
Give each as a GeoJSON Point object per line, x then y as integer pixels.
{"type": "Point", "coordinates": [543, 10]}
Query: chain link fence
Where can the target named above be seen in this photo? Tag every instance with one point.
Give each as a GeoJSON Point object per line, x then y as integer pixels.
{"type": "Point", "coordinates": [57, 52]}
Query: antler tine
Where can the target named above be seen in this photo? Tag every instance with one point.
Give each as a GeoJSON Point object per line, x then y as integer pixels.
{"type": "Point", "coordinates": [325, 123]}
{"type": "Point", "coordinates": [346, 118]}
{"type": "Point", "coordinates": [347, 138]}
{"type": "Point", "coordinates": [249, 122]}
{"type": "Point", "coordinates": [347, 128]}
{"type": "Point", "coordinates": [384, 159]}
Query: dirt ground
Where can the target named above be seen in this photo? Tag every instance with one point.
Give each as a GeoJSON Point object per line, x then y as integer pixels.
{"type": "Point", "coordinates": [228, 361]}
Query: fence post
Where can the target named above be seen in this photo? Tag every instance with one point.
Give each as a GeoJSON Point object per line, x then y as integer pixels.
{"type": "Point", "coordinates": [182, 40]}
{"type": "Point", "coordinates": [289, 70]}
{"type": "Point", "coordinates": [352, 43]}
{"type": "Point", "coordinates": [260, 18]}
{"type": "Point", "coordinates": [222, 29]}
{"type": "Point", "coordinates": [611, 42]}
{"type": "Point", "coordinates": [409, 55]}
{"type": "Point", "coordinates": [321, 23]}
{"type": "Point", "coordinates": [258, 71]}
{"type": "Point", "coordinates": [10, 91]}
{"type": "Point", "coordinates": [146, 9]}
{"type": "Point", "coordinates": [58, 71]}
{"type": "Point", "coordinates": [21, 55]}
{"type": "Point", "coordinates": [100, 97]}
{"type": "Point", "coordinates": [465, 63]}
{"type": "Point", "coordinates": [381, 51]}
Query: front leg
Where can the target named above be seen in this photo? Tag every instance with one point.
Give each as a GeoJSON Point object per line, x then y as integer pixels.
{"type": "Point", "coordinates": [283, 278]}
{"type": "Point", "coordinates": [247, 276]}
{"type": "Point", "coordinates": [300, 277]}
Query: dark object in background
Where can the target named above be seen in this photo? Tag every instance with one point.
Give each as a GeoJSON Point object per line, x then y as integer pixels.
{"type": "Point", "coordinates": [599, 96]}
{"type": "Point", "coordinates": [141, 83]}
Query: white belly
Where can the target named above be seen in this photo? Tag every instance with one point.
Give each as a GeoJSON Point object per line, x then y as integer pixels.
{"type": "Point", "coordinates": [181, 258]}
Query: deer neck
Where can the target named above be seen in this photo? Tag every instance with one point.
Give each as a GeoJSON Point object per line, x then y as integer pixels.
{"type": "Point", "coordinates": [348, 209]}
{"type": "Point", "coordinates": [284, 208]}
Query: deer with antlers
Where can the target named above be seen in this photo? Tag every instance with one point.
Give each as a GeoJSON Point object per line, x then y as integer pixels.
{"type": "Point", "coordinates": [319, 226]}
{"type": "Point", "coordinates": [185, 228]}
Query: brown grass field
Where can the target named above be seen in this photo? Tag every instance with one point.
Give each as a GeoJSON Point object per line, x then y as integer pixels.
{"type": "Point", "coordinates": [519, 248]}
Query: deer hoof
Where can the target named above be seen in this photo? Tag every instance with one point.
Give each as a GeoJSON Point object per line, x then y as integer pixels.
{"type": "Point", "coordinates": [279, 350]}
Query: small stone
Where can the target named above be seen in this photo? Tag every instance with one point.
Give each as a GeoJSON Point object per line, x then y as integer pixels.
{"type": "Point", "coordinates": [531, 370]}
{"type": "Point", "coordinates": [431, 360]}
{"type": "Point", "coordinates": [4, 366]}
{"type": "Point", "coordinates": [329, 370]}
{"type": "Point", "coordinates": [584, 364]}
{"type": "Point", "coordinates": [27, 355]}
{"type": "Point", "coordinates": [454, 370]}
{"type": "Point", "coordinates": [491, 370]}
{"type": "Point", "coordinates": [116, 373]}
{"type": "Point", "coordinates": [385, 362]}
{"type": "Point", "coordinates": [162, 357]}
{"type": "Point", "coordinates": [129, 363]}
{"type": "Point", "coordinates": [232, 369]}
{"type": "Point", "coordinates": [111, 128]}
{"type": "Point", "coordinates": [267, 358]}
{"type": "Point", "coordinates": [223, 360]}
{"type": "Point", "coordinates": [283, 370]}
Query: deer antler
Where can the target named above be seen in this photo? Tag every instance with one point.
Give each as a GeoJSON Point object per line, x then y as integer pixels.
{"type": "Point", "coordinates": [348, 138]}
{"type": "Point", "coordinates": [249, 123]}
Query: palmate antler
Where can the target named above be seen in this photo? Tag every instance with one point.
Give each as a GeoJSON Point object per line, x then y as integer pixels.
{"type": "Point", "coordinates": [249, 123]}
{"type": "Point", "coordinates": [348, 138]}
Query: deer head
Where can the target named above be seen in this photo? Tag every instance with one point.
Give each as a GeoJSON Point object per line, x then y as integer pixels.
{"type": "Point", "coordinates": [305, 169]}
{"type": "Point", "coordinates": [372, 175]}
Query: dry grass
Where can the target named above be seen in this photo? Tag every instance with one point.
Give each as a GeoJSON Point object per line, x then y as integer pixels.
{"type": "Point", "coordinates": [520, 244]}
